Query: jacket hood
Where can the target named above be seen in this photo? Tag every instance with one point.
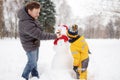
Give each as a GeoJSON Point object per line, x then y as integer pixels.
{"type": "Point", "coordinates": [23, 15]}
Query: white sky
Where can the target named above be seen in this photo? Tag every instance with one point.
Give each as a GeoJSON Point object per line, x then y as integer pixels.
{"type": "Point", "coordinates": [84, 8]}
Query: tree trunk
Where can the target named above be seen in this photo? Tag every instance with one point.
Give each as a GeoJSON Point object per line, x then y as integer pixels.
{"type": "Point", "coordinates": [1, 18]}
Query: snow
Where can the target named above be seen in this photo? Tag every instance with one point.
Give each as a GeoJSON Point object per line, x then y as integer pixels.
{"type": "Point", "coordinates": [62, 64]}
{"type": "Point", "coordinates": [104, 60]}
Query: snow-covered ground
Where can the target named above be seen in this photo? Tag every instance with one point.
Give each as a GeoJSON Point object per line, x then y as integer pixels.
{"type": "Point", "coordinates": [104, 60]}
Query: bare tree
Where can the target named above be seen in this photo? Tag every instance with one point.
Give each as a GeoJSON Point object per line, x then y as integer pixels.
{"type": "Point", "coordinates": [110, 30]}
{"type": "Point", "coordinates": [80, 31]}
{"type": "Point", "coordinates": [90, 27]}
{"type": "Point", "coordinates": [10, 13]}
{"type": "Point", "coordinates": [117, 24]}
{"type": "Point", "coordinates": [63, 12]}
{"type": "Point", "coordinates": [1, 19]}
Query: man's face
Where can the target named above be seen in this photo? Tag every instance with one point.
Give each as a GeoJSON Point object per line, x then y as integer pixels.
{"type": "Point", "coordinates": [34, 13]}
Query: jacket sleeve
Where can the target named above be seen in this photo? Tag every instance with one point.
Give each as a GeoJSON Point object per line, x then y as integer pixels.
{"type": "Point", "coordinates": [32, 30]}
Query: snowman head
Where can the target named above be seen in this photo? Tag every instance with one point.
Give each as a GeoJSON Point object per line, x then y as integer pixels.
{"type": "Point", "coordinates": [62, 29]}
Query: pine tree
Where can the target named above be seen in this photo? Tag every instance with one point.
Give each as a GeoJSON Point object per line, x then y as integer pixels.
{"type": "Point", "coordinates": [47, 15]}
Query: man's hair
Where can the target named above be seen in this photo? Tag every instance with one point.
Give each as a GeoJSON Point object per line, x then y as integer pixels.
{"type": "Point", "coordinates": [31, 5]}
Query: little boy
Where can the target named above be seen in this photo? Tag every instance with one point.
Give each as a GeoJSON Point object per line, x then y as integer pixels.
{"type": "Point", "coordinates": [79, 49]}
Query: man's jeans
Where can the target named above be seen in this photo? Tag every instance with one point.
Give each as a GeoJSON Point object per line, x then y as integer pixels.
{"type": "Point", "coordinates": [31, 66]}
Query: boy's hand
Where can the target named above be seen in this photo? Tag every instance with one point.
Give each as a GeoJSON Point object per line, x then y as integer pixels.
{"type": "Point", "coordinates": [75, 68]}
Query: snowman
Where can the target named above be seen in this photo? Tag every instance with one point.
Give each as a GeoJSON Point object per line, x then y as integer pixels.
{"type": "Point", "coordinates": [62, 63]}
{"type": "Point", "coordinates": [61, 48]}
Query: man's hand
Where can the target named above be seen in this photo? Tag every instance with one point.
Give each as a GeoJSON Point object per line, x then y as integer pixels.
{"type": "Point", "coordinates": [58, 34]}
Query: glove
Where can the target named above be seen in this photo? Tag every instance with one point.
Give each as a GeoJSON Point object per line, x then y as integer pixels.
{"type": "Point", "coordinates": [89, 52]}
{"type": "Point", "coordinates": [75, 68]}
{"type": "Point", "coordinates": [58, 33]}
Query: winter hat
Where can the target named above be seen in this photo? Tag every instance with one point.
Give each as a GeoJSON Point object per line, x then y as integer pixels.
{"type": "Point", "coordinates": [63, 38]}
{"type": "Point", "coordinates": [73, 31]}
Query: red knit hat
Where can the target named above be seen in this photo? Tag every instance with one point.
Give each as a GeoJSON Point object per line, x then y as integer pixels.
{"type": "Point", "coordinates": [63, 37]}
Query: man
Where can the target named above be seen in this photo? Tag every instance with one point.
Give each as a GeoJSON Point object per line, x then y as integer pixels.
{"type": "Point", "coordinates": [30, 35]}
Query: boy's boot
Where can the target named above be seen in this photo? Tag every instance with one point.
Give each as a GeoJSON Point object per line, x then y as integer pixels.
{"type": "Point", "coordinates": [75, 68]}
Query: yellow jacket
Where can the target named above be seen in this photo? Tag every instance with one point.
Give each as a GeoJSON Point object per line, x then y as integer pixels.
{"type": "Point", "coordinates": [79, 49]}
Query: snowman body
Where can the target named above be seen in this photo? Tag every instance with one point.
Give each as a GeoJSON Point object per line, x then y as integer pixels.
{"type": "Point", "coordinates": [63, 59]}
{"type": "Point", "coordinates": [62, 64]}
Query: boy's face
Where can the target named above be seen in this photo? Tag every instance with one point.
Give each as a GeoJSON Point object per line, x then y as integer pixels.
{"type": "Point", "coordinates": [34, 13]}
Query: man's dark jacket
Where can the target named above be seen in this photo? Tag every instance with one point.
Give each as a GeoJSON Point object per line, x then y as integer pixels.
{"type": "Point", "coordinates": [30, 31]}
